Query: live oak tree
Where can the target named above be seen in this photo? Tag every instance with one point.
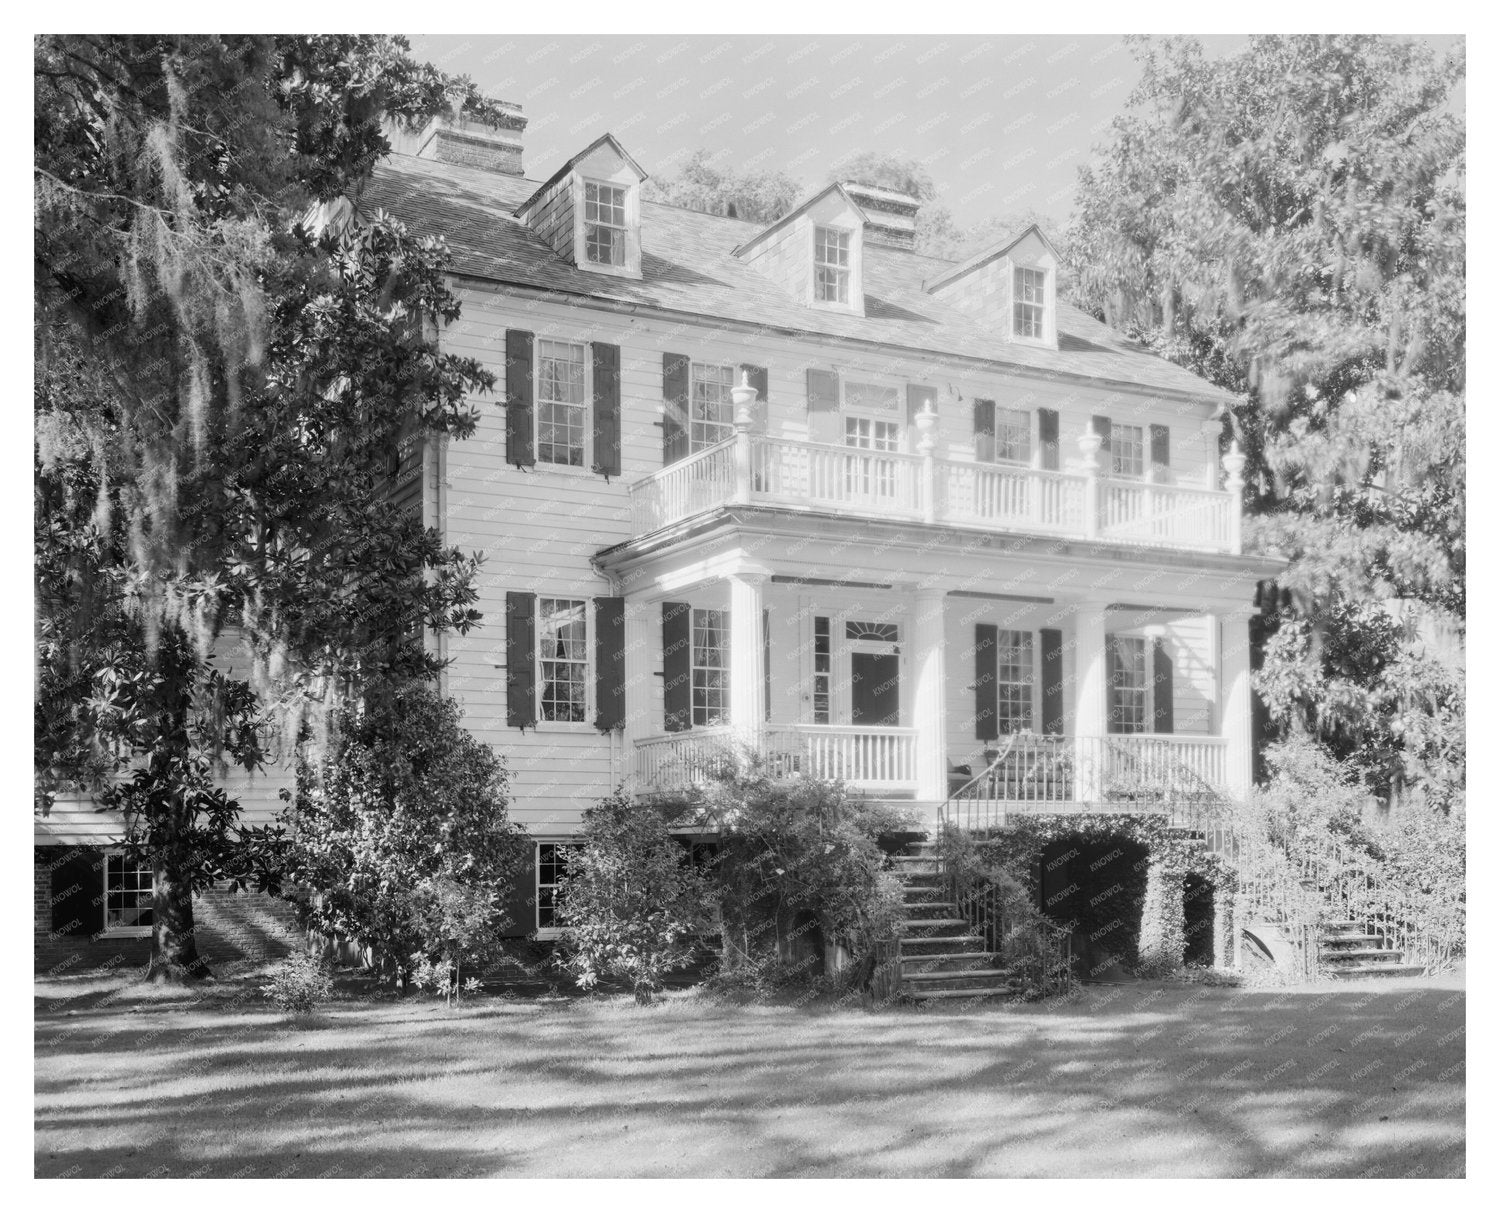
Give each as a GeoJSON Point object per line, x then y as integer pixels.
{"type": "Point", "coordinates": [230, 354]}
{"type": "Point", "coordinates": [1289, 221]}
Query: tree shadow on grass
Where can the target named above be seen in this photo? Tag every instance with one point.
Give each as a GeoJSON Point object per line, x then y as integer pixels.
{"type": "Point", "coordinates": [1156, 1080]}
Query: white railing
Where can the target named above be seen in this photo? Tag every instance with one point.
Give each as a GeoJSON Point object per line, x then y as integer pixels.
{"type": "Point", "coordinates": [887, 484]}
{"type": "Point", "coordinates": [993, 495]}
{"type": "Point", "coordinates": [700, 482]}
{"type": "Point", "coordinates": [1165, 515]}
{"type": "Point", "coordinates": [835, 477]}
{"type": "Point", "coordinates": [868, 758]}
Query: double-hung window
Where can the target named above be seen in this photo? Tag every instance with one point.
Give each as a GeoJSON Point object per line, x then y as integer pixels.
{"type": "Point", "coordinates": [712, 418]}
{"type": "Point", "coordinates": [1129, 690]}
{"type": "Point", "coordinates": [1031, 303]}
{"type": "Point", "coordinates": [831, 261]}
{"type": "Point", "coordinates": [551, 866]}
{"type": "Point", "coordinates": [1127, 451]}
{"type": "Point", "coordinates": [1012, 436]}
{"type": "Point", "coordinates": [1014, 678]}
{"type": "Point", "coordinates": [562, 643]}
{"type": "Point", "coordinates": [128, 890]}
{"type": "Point", "coordinates": [562, 403]}
{"type": "Point", "coordinates": [710, 667]}
{"type": "Point", "coordinates": [604, 223]}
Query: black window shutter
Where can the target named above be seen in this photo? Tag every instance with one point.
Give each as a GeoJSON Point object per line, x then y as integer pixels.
{"type": "Point", "coordinates": [520, 449]}
{"type": "Point", "coordinates": [765, 658]}
{"type": "Point", "coordinates": [823, 406]}
{"type": "Point", "coordinates": [519, 905]}
{"type": "Point", "coordinates": [1102, 428]}
{"type": "Point", "coordinates": [1161, 453]}
{"type": "Point", "coordinates": [916, 397]}
{"type": "Point", "coordinates": [609, 663]}
{"type": "Point", "coordinates": [676, 394]}
{"type": "Point", "coordinates": [78, 894]}
{"type": "Point", "coordinates": [986, 670]}
{"type": "Point", "coordinates": [1161, 688]}
{"type": "Point", "coordinates": [606, 408]}
{"type": "Point", "coordinates": [984, 431]}
{"type": "Point", "coordinates": [520, 659]}
{"type": "Point", "coordinates": [1112, 680]}
{"type": "Point", "coordinates": [1047, 433]}
{"type": "Point", "coordinates": [677, 665]}
{"type": "Point", "coordinates": [1052, 680]}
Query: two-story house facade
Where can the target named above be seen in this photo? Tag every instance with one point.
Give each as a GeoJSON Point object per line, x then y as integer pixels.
{"type": "Point", "coordinates": [798, 487]}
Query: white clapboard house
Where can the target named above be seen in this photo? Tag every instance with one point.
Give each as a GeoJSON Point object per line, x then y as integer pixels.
{"type": "Point", "coordinates": [797, 486]}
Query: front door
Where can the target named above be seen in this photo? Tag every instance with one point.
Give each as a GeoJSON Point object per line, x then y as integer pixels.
{"type": "Point", "coordinates": [875, 691]}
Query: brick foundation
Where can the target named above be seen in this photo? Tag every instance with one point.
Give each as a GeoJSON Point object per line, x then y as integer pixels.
{"type": "Point", "coordinates": [234, 929]}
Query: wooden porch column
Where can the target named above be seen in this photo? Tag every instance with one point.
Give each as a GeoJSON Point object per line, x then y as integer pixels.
{"type": "Point", "coordinates": [642, 653]}
{"type": "Point", "coordinates": [747, 666]}
{"type": "Point", "coordinates": [929, 697]}
{"type": "Point", "coordinates": [1091, 706]}
{"type": "Point", "coordinates": [1234, 699]}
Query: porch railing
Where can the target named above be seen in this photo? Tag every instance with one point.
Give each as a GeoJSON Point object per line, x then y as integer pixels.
{"type": "Point", "coordinates": [869, 758]}
{"type": "Point", "coordinates": [891, 484]}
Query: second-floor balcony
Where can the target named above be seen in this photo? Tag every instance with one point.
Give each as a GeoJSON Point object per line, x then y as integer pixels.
{"type": "Point", "coordinates": [750, 469]}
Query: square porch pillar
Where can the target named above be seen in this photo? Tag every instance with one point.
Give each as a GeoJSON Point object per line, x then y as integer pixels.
{"type": "Point", "coordinates": [929, 698]}
{"type": "Point", "coordinates": [1091, 706]}
{"type": "Point", "coordinates": [1234, 699]}
{"type": "Point", "coordinates": [747, 665]}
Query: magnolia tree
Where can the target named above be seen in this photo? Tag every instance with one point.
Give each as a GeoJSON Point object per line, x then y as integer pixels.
{"type": "Point", "coordinates": [222, 386]}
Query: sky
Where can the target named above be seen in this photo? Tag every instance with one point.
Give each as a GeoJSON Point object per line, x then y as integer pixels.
{"type": "Point", "coordinates": [1001, 123]}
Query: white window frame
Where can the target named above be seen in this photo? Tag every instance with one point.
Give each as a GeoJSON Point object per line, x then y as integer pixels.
{"type": "Point", "coordinates": [843, 272]}
{"type": "Point", "coordinates": [1003, 646]}
{"type": "Point", "coordinates": [1027, 420]}
{"type": "Point", "coordinates": [551, 932]}
{"type": "Point", "coordinates": [122, 932]}
{"type": "Point", "coordinates": [1115, 433]}
{"type": "Point", "coordinates": [622, 228]}
{"type": "Point", "coordinates": [1043, 308]}
{"type": "Point", "coordinates": [727, 425]}
{"type": "Point", "coordinates": [542, 722]}
{"type": "Point", "coordinates": [1148, 701]}
{"type": "Point", "coordinates": [723, 670]}
{"type": "Point", "coordinates": [585, 465]}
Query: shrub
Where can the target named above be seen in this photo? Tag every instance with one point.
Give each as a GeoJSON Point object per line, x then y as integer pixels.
{"type": "Point", "coordinates": [402, 842]}
{"type": "Point", "coordinates": [631, 905]}
{"type": "Point", "coordinates": [799, 865]}
{"type": "Point", "coordinates": [299, 983]}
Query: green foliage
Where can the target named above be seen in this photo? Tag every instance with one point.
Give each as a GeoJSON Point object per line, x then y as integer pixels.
{"type": "Point", "coordinates": [221, 386]}
{"type": "Point", "coordinates": [1289, 220]}
{"type": "Point", "coordinates": [799, 861]}
{"type": "Point", "coordinates": [402, 842]}
{"type": "Point", "coordinates": [700, 185]}
{"type": "Point", "coordinates": [1163, 934]}
{"type": "Point", "coordinates": [631, 904]}
{"type": "Point", "coordinates": [299, 983]}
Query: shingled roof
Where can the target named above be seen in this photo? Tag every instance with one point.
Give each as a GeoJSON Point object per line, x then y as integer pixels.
{"type": "Point", "coordinates": [688, 269]}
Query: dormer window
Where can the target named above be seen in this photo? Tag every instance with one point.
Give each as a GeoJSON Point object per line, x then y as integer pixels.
{"type": "Point", "coordinates": [1031, 303]}
{"type": "Point", "coordinates": [605, 225]}
{"type": "Point", "coordinates": [831, 264]}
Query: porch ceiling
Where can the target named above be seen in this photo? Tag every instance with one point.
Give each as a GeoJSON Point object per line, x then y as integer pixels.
{"type": "Point", "coordinates": [834, 548]}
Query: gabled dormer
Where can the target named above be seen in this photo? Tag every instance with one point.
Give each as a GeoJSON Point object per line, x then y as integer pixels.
{"type": "Point", "coordinates": [1011, 285]}
{"type": "Point", "coordinates": [816, 252]}
{"type": "Point", "coordinates": [589, 211]}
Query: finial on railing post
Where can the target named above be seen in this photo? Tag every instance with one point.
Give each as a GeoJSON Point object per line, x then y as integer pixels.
{"type": "Point", "coordinates": [926, 448]}
{"type": "Point", "coordinates": [744, 397]}
{"type": "Point", "coordinates": [1089, 444]}
{"type": "Point", "coordinates": [1234, 485]}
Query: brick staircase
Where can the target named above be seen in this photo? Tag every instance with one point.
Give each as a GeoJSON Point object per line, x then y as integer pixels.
{"type": "Point", "coordinates": [1345, 951]}
{"type": "Point", "coordinates": [940, 956]}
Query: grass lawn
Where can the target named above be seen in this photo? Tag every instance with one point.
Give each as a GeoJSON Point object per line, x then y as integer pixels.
{"type": "Point", "coordinates": [1123, 1080]}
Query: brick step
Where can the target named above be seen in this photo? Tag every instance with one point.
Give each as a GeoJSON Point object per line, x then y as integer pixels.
{"type": "Point", "coordinates": [1376, 969]}
{"type": "Point", "coordinates": [935, 944]}
{"type": "Point", "coordinates": [1002, 991]}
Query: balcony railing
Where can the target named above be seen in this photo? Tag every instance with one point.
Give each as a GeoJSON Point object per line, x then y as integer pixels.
{"type": "Point", "coordinates": [871, 759]}
{"type": "Point", "coordinates": [884, 484]}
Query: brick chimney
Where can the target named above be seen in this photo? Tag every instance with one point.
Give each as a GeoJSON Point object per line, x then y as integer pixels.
{"type": "Point", "coordinates": [891, 216]}
{"type": "Point", "coordinates": [464, 141]}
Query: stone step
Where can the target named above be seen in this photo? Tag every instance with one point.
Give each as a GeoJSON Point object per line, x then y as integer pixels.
{"type": "Point", "coordinates": [1376, 969]}
{"type": "Point", "coordinates": [930, 978]}
{"type": "Point", "coordinates": [1342, 954]}
{"type": "Point", "coordinates": [940, 962]}
{"type": "Point", "coordinates": [1327, 940]}
{"type": "Point", "coordinates": [930, 945]}
{"type": "Point", "coordinates": [930, 924]}
{"type": "Point", "coordinates": [923, 906]}
{"type": "Point", "coordinates": [1002, 991]}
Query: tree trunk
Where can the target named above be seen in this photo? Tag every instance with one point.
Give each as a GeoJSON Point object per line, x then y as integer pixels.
{"type": "Point", "coordinates": [174, 941]}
